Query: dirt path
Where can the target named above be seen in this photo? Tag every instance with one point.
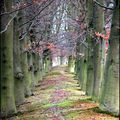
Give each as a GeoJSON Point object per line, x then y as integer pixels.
{"type": "Point", "coordinates": [58, 97]}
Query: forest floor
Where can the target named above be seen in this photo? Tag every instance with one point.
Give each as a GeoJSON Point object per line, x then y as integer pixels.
{"type": "Point", "coordinates": [58, 97]}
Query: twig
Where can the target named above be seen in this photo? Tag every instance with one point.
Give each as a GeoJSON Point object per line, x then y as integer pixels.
{"type": "Point", "coordinates": [23, 36]}
{"type": "Point", "coordinates": [8, 24]}
{"type": "Point", "coordinates": [15, 10]}
{"type": "Point", "coordinates": [36, 15]}
{"type": "Point", "coordinates": [103, 5]}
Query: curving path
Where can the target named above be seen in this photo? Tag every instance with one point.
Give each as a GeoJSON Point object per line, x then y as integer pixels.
{"type": "Point", "coordinates": [58, 97]}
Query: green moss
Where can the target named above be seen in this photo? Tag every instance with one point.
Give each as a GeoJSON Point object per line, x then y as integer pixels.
{"type": "Point", "coordinates": [49, 105]}
{"type": "Point", "coordinates": [62, 104]}
{"type": "Point", "coordinates": [98, 110]}
{"type": "Point", "coordinates": [65, 104]}
{"type": "Point", "coordinates": [88, 99]}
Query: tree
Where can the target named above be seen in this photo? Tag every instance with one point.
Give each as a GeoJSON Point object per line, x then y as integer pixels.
{"type": "Point", "coordinates": [110, 92]}
{"type": "Point", "coordinates": [24, 60]}
{"type": "Point", "coordinates": [71, 64]}
{"type": "Point", "coordinates": [90, 64]}
{"type": "Point", "coordinates": [98, 24]}
{"type": "Point", "coordinates": [18, 75]}
{"type": "Point", "coordinates": [7, 100]}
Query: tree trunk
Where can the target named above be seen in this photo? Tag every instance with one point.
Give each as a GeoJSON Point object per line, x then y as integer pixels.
{"type": "Point", "coordinates": [24, 61]}
{"type": "Point", "coordinates": [47, 61]}
{"type": "Point", "coordinates": [7, 101]}
{"type": "Point", "coordinates": [31, 70]}
{"type": "Point", "coordinates": [24, 64]}
{"type": "Point", "coordinates": [110, 93]}
{"type": "Point", "coordinates": [38, 62]}
{"type": "Point", "coordinates": [84, 73]}
{"type": "Point", "coordinates": [71, 64]}
{"type": "Point", "coordinates": [47, 64]}
{"type": "Point", "coordinates": [41, 66]}
{"type": "Point", "coordinates": [36, 66]}
{"type": "Point", "coordinates": [77, 63]}
{"type": "Point", "coordinates": [18, 75]}
{"type": "Point", "coordinates": [90, 63]}
{"type": "Point", "coordinates": [98, 25]}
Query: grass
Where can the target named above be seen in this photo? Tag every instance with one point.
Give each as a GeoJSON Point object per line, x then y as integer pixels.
{"type": "Point", "coordinates": [86, 99]}
{"type": "Point", "coordinates": [61, 104]}
{"type": "Point", "coordinates": [66, 103]}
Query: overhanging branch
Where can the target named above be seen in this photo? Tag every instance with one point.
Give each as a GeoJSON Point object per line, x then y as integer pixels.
{"type": "Point", "coordinates": [103, 6]}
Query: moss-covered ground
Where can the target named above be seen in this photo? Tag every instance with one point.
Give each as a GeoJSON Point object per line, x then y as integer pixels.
{"type": "Point", "coordinates": [58, 97]}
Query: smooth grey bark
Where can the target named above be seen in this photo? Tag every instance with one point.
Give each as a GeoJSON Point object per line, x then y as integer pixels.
{"type": "Point", "coordinates": [24, 64]}
{"type": "Point", "coordinates": [31, 70]}
{"type": "Point", "coordinates": [98, 26]}
{"type": "Point", "coordinates": [47, 61]}
{"type": "Point", "coordinates": [36, 66]}
{"type": "Point", "coordinates": [24, 61]}
{"type": "Point", "coordinates": [7, 100]}
{"type": "Point", "coordinates": [110, 92]}
{"type": "Point", "coordinates": [84, 72]}
{"type": "Point", "coordinates": [38, 63]}
{"type": "Point", "coordinates": [18, 75]}
{"type": "Point", "coordinates": [71, 64]}
{"type": "Point", "coordinates": [41, 66]}
{"type": "Point", "coordinates": [82, 67]}
{"type": "Point", "coordinates": [77, 63]}
{"type": "Point", "coordinates": [90, 63]}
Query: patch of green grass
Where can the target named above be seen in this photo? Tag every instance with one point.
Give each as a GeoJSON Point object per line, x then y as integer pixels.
{"type": "Point", "coordinates": [49, 105]}
{"type": "Point", "coordinates": [88, 99]}
{"type": "Point", "coordinates": [65, 104]}
{"type": "Point", "coordinates": [61, 104]}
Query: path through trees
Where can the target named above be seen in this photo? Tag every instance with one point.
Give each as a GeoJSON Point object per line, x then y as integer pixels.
{"type": "Point", "coordinates": [38, 35]}
{"type": "Point", "coordinates": [58, 97]}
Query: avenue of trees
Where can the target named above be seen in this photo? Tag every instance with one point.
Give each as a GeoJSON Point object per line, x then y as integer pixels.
{"type": "Point", "coordinates": [34, 32]}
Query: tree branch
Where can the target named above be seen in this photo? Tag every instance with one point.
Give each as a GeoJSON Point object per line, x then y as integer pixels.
{"type": "Point", "coordinates": [8, 24]}
{"type": "Point", "coordinates": [6, 13]}
{"type": "Point", "coordinates": [35, 15]}
{"type": "Point", "coordinates": [103, 6]}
